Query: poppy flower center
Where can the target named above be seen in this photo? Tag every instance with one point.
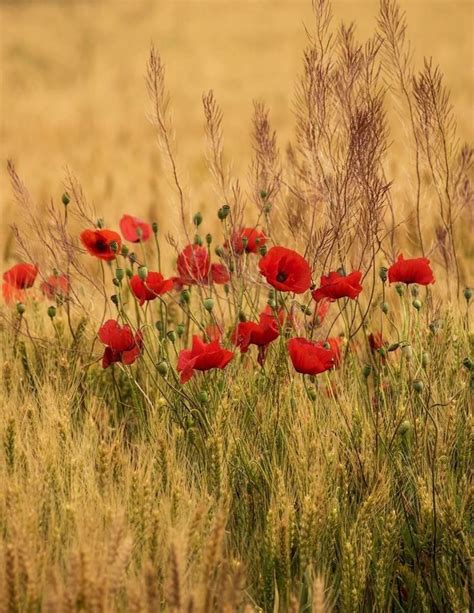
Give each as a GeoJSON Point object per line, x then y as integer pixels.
{"type": "Point", "coordinates": [281, 276]}
{"type": "Point", "coordinates": [101, 245]}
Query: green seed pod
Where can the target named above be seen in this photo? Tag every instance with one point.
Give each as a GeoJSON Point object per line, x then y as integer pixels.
{"type": "Point", "coordinates": [405, 428]}
{"type": "Point", "coordinates": [219, 251]}
{"type": "Point", "coordinates": [407, 352]}
{"type": "Point", "coordinates": [305, 309]}
{"type": "Point", "coordinates": [52, 312]}
{"type": "Point", "coordinates": [185, 296]}
{"type": "Point", "coordinates": [385, 307]}
{"type": "Point", "coordinates": [223, 212]}
{"type": "Point", "coordinates": [172, 336]}
{"type": "Point", "coordinates": [208, 238]}
{"type": "Point", "coordinates": [159, 326]}
{"type": "Point", "coordinates": [115, 299]}
{"type": "Point", "coordinates": [468, 364]}
{"type": "Point", "coordinates": [180, 330]}
{"type": "Point", "coordinates": [366, 370]}
{"type": "Point", "coordinates": [263, 194]}
{"type": "Point", "coordinates": [418, 386]}
{"type": "Point", "coordinates": [383, 273]}
{"type": "Point", "coordinates": [203, 397]}
{"type": "Point", "coordinates": [119, 274]}
{"type": "Point", "coordinates": [416, 304]}
{"type": "Point", "coordinates": [129, 273]}
{"type": "Point", "coordinates": [197, 219]}
{"type": "Point", "coordinates": [143, 272]}
{"type": "Point", "coordinates": [263, 250]}
{"type": "Point", "coordinates": [400, 289]}
{"type": "Point", "coordinates": [425, 359]}
{"type": "Point", "coordinates": [116, 282]}
{"type": "Point", "coordinates": [162, 368]}
{"type": "Point", "coordinates": [242, 317]}
{"type": "Point", "coordinates": [415, 290]}
{"type": "Point", "coordinates": [65, 199]}
{"type": "Point", "coordinates": [226, 288]}
{"type": "Point", "coordinates": [312, 393]}
{"type": "Point", "coordinates": [154, 227]}
{"type": "Point", "coordinates": [468, 293]}
{"type": "Point", "coordinates": [114, 246]}
{"type": "Point", "coordinates": [124, 251]}
{"type": "Point", "coordinates": [267, 209]}
{"type": "Point", "coordinates": [271, 303]}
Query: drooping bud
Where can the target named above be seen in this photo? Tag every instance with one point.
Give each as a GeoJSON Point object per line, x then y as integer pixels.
{"type": "Point", "coordinates": [171, 336]}
{"type": "Point", "coordinates": [115, 299]}
{"type": "Point", "coordinates": [197, 220]}
{"type": "Point", "coordinates": [306, 310]}
{"type": "Point", "coordinates": [52, 312]}
{"type": "Point", "coordinates": [162, 368]}
{"type": "Point", "coordinates": [393, 347]}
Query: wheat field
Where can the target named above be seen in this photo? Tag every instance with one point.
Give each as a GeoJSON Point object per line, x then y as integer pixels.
{"type": "Point", "coordinates": [245, 400]}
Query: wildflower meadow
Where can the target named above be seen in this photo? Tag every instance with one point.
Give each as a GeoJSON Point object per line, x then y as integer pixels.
{"type": "Point", "coordinates": [271, 408]}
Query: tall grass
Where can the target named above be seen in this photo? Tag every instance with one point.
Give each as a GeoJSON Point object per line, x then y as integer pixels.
{"type": "Point", "coordinates": [255, 488]}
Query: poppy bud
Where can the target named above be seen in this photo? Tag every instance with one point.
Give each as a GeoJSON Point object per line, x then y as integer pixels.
{"type": "Point", "coordinates": [129, 273]}
{"type": "Point", "coordinates": [425, 359]}
{"type": "Point", "coordinates": [341, 271]}
{"type": "Point", "coordinates": [418, 386]}
{"type": "Point", "coordinates": [468, 293]}
{"type": "Point", "coordinates": [219, 251]}
{"type": "Point", "coordinates": [306, 310]}
{"type": "Point", "coordinates": [382, 352]}
{"type": "Point", "coordinates": [119, 274]}
{"type": "Point", "coordinates": [154, 227]}
{"type": "Point", "coordinates": [223, 212]}
{"type": "Point", "coordinates": [415, 290]}
{"type": "Point", "coordinates": [383, 273]}
{"type": "Point", "coordinates": [20, 308]}
{"type": "Point", "coordinates": [162, 368]}
{"type": "Point", "coordinates": [124, 251]}
{"type": "Point", "coordinates": [434, 326]}
{"type": "Point", "coordinates": [184, 296]}
{"type": "Point", "coordinates": [242, 317]}
{"type": "Point", "coordinates": [385, 308]}
{"type": "Point", "coordinates": [197, 220]}
{"type": "Point", "coordinates": [143, 272]}
{"type": "Point", "coordinates": [263, 250]}
{"type": "Point", "coordinates": [171, 336]}
{"type": "Point", "coordinates": [407, 352]}
{"type": "Point", "coordinates": [114, 246]}
{"type": "Point", "coordinates": [399, 287]}
{"type": "Point", "coordinates": [231, 267]}
{"type": "Point", "coordinates": [208, 304]}
{"type": "Point", "coordinates": [271, 294]}
{"type": "Point", "coordinates": [159, 326]}
{"type": "Point", "coordinates": [116, 282]}
{"type": "Point", "coordinates": [203, 397]}
{"type": "Point", "coordinates": [366, 370]}
{"type": "Point", "coordinates": [417, 304]}
{"type": "Point", "coordinates": [65, 199]}
{"type": "Point", "coordinates": [312, 393]}
{"type": "Point", "coordinates": [393, 347]}
{"type": "Point", "coordinates": [180, 330]}
{"type": "Point", "coordinates": [115, 299]}
{"type": "Point", "coordinates": [208, 239]}
{"type": "Point", "coordinates": [263, 194]}
{"type": "Point", "coordinates": [52, 312]}
{"type": "Point", "coordinates": [100, 223]}
{"type": "Point", "coordinates": [197, 240]}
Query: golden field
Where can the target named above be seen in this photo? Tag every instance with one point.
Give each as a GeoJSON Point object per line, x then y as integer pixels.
{"type": "Point", "coordinates": [73, 91]}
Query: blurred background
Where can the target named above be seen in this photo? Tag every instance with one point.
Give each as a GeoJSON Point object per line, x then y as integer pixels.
{"type": "Point", "coordinates": [72, 89]}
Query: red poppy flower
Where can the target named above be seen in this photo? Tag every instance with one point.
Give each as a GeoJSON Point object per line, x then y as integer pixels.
{"type": "Point", "coordinates": [154, 285]}
{"type": "Point", "coordinates": [202, 356]}
{"type": "Point", "coordinates": [55, 286]}
{"type": "Point", "coordinates": [250, 333]}
{"type": "Point", "coordinates": [286, 270]}
{"type": "Point", "coordinates": [253, 238]}
{"type": "Point", "coordinates": [416, 270]}
{"type": "Point", "coordinates": [194, 267]}
{"type": "Point", "coordinates": [97, 243]}
{"type": "Point", "coordinates": [12, 294]}
{"type": "Point", "coordinates": [121, 345]}
{"type": "Point", "coordinates": [335, 286]}
{"type": "Point", "coordinates": [134, 229]}
{"type": "Point", "coordinates": [21, 276]}
{"type": "Point", "coordinates": [310, 358]}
